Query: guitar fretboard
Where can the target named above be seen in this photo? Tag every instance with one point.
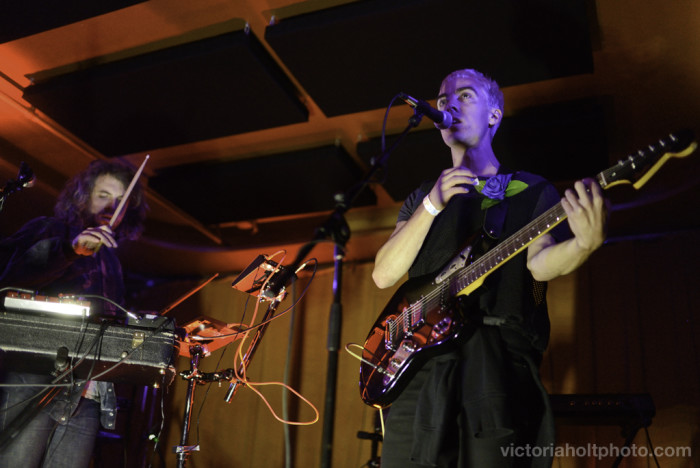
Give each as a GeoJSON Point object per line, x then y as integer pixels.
{"type": "Point", "coordinates": [508, 248]}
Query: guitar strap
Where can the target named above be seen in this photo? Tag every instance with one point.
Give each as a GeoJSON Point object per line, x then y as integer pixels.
{"type": "Point", "coordinates": [495, 219]}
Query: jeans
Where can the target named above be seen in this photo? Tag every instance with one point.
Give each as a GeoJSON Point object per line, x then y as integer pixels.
{"type": "Point", "coordinates": [47, 441]}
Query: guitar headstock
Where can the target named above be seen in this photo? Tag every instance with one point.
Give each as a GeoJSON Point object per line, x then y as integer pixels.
{"type": "Point", "coordinates": [638, 167]}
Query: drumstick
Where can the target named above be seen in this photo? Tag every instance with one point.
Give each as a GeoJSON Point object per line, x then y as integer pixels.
{"type": "Point", "coordinates": [125, 197]}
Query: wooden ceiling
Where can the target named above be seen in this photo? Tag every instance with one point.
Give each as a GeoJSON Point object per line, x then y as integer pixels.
{"type": "Point", "coordinates": [255, 113]}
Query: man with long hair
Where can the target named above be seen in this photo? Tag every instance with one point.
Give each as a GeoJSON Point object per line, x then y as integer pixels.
{"type": "Point", "coordinates": [71, 253]}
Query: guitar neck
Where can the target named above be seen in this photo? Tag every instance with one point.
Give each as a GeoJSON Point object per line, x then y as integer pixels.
{"type": "Point", "coordinates": [471, 277]}
{"type": "Point", "coordinates": [636, 169]}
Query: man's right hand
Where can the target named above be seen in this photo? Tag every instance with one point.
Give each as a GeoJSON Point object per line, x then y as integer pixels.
{"type": "Point", "coordinates": [91, 239]}
{"type": "Point", "coordinates": [451, 182]}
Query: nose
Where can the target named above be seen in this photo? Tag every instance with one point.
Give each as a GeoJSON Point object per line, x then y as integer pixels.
{"type": "Point", "coordinates": [450, 103]}
{"type": "Point", "coordinates": [114, 204]}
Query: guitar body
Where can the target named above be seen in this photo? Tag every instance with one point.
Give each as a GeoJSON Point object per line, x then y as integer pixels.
{"type": "Point", "coordinates": [418, 323]}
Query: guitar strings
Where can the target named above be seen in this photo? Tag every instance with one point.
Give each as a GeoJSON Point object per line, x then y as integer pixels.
{"type": "Point", "coordinates": [486, 263]}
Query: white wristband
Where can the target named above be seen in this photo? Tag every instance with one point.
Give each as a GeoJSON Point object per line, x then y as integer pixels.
{"type": "Point", "coordinates": [429, 207]}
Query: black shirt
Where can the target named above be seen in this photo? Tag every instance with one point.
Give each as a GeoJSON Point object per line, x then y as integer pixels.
{"type": "Point", "coordinates": [509, 292]}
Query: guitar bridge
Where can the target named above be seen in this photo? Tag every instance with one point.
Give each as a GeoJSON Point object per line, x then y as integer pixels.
{"type": "Point", "coordinates": [404, 351]}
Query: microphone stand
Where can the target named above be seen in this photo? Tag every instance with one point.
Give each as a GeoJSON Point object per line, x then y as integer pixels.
{"type": "Point", "coordinates": [193, 376]}
{"type": "Point", "coordinates": [183, 450]}
{"type": "Point", "coordinates": [337, 229]}
{"type": "Point", "coordinates": [25, 179]}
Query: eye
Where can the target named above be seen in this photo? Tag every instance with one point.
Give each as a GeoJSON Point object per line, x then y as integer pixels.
{"type": "Point", "coordinates": [441, 103]}
{"type": "Point", "coordinates": [466, 96]}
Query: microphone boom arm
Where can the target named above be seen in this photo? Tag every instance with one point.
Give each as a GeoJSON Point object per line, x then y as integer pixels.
{"type": "Point", "coordinates": [335, 226]}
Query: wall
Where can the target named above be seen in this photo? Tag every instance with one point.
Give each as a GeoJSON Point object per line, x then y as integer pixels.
{"type": "Point", "coordinates": [626, 322]}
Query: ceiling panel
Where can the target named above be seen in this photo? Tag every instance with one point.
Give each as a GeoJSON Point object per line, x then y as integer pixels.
{"type": "Point", "coordinates": [278, 185]}
{"type": "Point", "coordinates": [355, 57]}
{"type": "Point", "coordinates": [210, 88]}
{"type": "Point", "coordinates": [21, 18]}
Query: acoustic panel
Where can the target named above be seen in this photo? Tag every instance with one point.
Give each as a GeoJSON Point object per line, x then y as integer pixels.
{"type": "Point", "coordinates": [277, 185]}
{"type": "Point", "coordinates": [206, 89]}
{"type": "Point", "coordinates": [21, 18]}
{"type": "Point", "coordinates": [356, 57]}
{"type": "Point", "coordinates": [561, 142]}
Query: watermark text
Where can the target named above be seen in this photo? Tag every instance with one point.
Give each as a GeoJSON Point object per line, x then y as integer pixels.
{"type": "Point", "coordinates": [593, 451]}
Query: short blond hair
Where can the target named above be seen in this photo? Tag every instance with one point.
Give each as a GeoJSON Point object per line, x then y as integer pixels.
{"type": "Point", "coordinates": [493, 91]}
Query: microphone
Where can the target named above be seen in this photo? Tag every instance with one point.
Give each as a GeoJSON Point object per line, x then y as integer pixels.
{"type": "Point", "coordinates": [442, 119]}
{"type": "Point", "coordinates": [25, 177]}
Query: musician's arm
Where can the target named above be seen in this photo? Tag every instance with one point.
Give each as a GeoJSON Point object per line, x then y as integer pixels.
{"type": "Point", "coordinates": [396, 256]}
{"type": "Point", "coordinates": [587, 217]}
{"type": "Point", "coordinates": [37, 253]}
{"type": "Point", "coordinates": [547, 259]}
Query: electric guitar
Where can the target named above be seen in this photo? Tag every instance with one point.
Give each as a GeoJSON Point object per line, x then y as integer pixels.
{"type": "Point", "coordinates": [421, 317]}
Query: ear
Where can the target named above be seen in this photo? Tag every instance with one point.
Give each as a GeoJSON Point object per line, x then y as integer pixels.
{"type": "Point", "coordinates": [495, 117]}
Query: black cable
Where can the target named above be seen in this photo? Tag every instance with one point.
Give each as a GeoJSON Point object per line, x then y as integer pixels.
{"type": "Point", "coordinates": [265, 322]}
{"type": "Point", "coordinates": [651, 446]}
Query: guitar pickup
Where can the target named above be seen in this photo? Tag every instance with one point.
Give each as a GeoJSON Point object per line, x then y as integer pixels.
{"type": "Point", "coordinates": [392, 334]}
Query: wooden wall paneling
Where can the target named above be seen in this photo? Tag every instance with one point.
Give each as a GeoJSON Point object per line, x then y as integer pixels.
{"type": "Point", "coordinates": [608, 335]}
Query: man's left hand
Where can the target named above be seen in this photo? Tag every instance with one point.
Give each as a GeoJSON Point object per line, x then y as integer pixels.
{"type": "Point", "coordinates": [587, 211]}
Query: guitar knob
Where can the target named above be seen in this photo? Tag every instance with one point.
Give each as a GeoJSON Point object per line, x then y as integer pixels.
{"type": "Point", "coordinates": [408, 346]}
{"type": "Point", "coordinates": [442, 327]}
